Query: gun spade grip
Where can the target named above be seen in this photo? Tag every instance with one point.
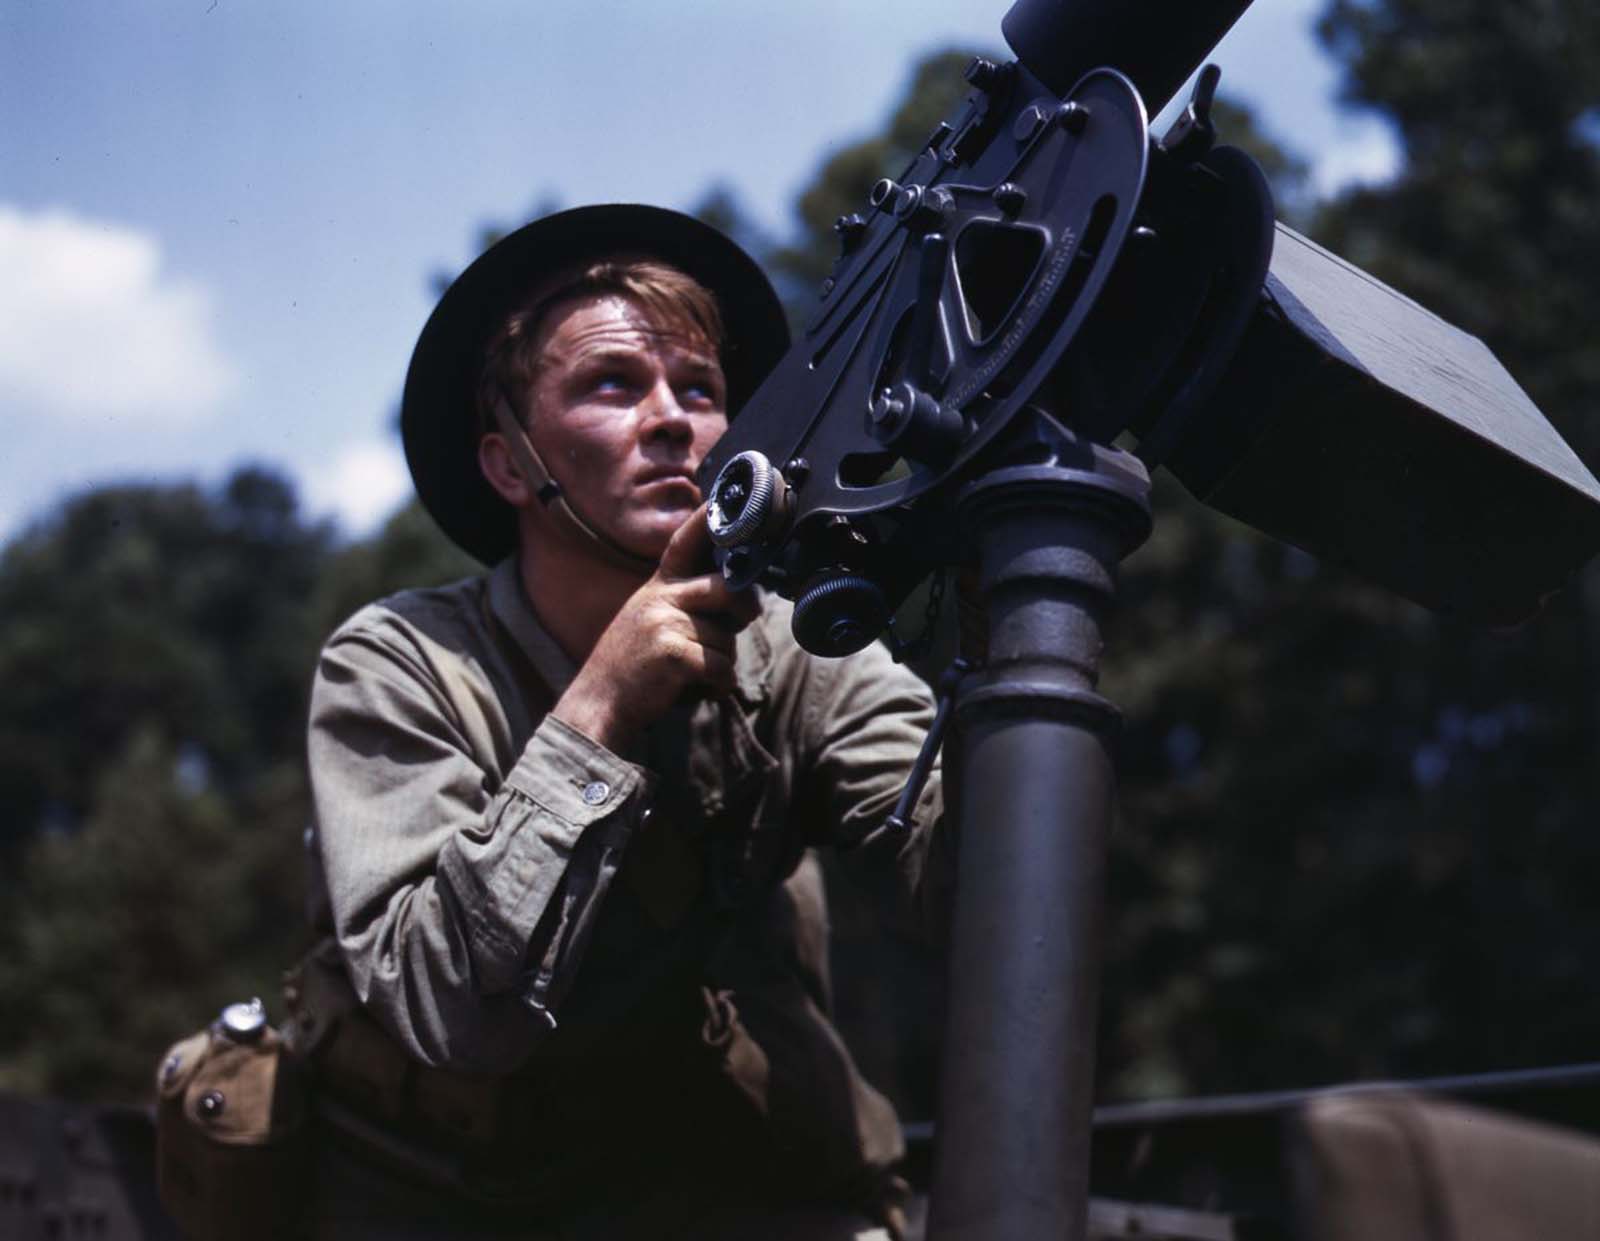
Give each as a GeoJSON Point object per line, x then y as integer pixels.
{"type": "Point", "coordinates": [1156, 45]}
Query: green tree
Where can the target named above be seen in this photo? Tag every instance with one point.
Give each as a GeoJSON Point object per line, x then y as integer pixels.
{"type": "Point", "coordinates": [1491, 223]}
{"type": "Point", "coordinates": [132, 604]}
{"type": "Point", "coordinates": [169, 901]}
{"type": "Point", "coordinates": [155, 644]}
{"type": "Point", "coordinates": [1492, 218]}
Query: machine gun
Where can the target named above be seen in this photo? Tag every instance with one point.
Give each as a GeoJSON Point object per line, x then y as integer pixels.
{"type": "Point", "coordinates": [1045, 305]}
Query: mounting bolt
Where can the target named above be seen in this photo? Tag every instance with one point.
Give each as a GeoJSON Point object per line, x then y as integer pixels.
{"type": "Point", "coordinates": [983, 73]}
{"type": "Point", "coordinates": [922, 207]}
{"type": "Point", "coordinates": [1009, 197]}
{"type": "Point", "coordinates": [1029, 122]}
{"type": "Point", "coordinates": [849, 228]}
{"type": "Point", "coordinates": [887, 411]}
{"type": "Point", "coordinates": [1072, 117]}
{"type": "Point", "coordinates": [885, 189]}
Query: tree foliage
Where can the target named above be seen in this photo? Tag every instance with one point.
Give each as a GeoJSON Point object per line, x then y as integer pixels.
{"type": "Point", "coordinates": [157, 644]}
{"type": "Point", "coordinates": [1492, 218]}
{"type": "Point", "coordinates": [139, 603]}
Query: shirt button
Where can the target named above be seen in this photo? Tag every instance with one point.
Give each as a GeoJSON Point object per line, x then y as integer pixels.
{"type": "Point", "coordinates": [596, 792]}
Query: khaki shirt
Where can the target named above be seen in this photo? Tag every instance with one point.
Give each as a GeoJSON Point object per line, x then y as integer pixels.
{"type": "Point", "coordinates": [493, 877]}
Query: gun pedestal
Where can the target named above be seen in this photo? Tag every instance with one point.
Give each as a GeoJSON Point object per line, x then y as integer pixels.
{"type": "Point", "coordinates": [1036, 790]}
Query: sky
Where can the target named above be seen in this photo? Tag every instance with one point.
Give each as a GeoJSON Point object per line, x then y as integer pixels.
{"type": "Point", "coordinates": [221, 222]}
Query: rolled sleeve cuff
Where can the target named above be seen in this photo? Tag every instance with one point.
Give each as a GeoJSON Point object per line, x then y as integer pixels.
{"type": "Point", "coordinates": [563, 785]}
{"type": "Point", "coordinates": [573, 777]}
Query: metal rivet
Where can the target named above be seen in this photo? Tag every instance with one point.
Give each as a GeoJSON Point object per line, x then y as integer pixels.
{"type": "Point", "coordinates": [596, 792]}
{"type": "Point", "coordinates": [1029, 121]}
{"type": "Point", "coordinates": [211, 1104]}
{"type": "Point", "coordinates": [1074, 116]}
{"type": "Point", "coordinates": [1010, 197]}
{"type": "Point", "coordinates": [849, 229]}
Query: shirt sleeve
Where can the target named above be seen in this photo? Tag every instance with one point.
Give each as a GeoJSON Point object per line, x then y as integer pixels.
{"type": "Point", "coordinates": [866, 718]}
{"type": "Point", "coordinates": [461, 903]}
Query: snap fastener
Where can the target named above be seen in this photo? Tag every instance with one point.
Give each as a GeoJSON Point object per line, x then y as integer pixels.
{"type": "Point", "coordinates": [596, 792]}
{"type": "Point", "coordinates": [244, 1023]}
{"type": "Point", "coordinates": [211, 1104]}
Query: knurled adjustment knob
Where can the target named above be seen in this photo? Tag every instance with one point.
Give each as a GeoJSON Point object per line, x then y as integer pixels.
{"type": "Point", "coordinates": [839, 615]}
{"type": "Point", "coordinates": [749, 499]}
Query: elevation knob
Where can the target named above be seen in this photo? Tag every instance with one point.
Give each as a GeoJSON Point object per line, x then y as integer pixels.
{"type": "Point", "coordinates": [749, 501]}
{"type": "Point", "coordinates": [839, 614]}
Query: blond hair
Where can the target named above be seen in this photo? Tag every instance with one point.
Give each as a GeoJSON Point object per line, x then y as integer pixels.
{"type": "Point", "coordinates": [672, 299]}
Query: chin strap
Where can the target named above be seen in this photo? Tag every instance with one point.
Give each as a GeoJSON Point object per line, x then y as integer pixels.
{"type": "Point", "coordinates": [551, 497]}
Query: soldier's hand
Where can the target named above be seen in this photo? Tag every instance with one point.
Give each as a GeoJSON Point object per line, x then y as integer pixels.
{"type": "Point", "coordinates": [674, 635]}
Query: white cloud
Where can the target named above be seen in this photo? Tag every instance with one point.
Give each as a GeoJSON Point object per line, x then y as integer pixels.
{"type": "Point", "coordinates": [1363, 153]}
{"type": "Point", "coordinates": [92, 328]}
{"type": "Point", "coordinates": [362, 485]}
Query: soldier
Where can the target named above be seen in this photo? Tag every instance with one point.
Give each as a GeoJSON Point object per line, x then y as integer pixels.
{"type": "Point", "coordinates": [573, 977]}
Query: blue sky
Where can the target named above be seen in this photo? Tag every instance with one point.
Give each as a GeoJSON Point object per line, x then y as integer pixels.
{"type": "Point", "coordinates": [219, 220]}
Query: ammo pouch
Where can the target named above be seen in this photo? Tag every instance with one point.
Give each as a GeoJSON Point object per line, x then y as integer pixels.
{"type": "Point", "coordinates": [232, 1153]}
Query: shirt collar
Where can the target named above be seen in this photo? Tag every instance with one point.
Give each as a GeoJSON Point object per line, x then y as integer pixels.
{"type": "Point", "coordinates": [511, 607]}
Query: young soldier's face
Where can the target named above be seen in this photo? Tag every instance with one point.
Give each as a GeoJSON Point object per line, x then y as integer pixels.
{"type": "Point", "coordinates": [623, 411]}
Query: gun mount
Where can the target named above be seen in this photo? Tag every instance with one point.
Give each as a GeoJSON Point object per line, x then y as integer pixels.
{"type": "Point", "coordinates": [1043, 283]}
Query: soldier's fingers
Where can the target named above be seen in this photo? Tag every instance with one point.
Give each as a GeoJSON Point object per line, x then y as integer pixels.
{"type": "Point", "coordinates": [712, 631]}
{"type": "Point", "coordinates": [688, 552]}
{"type": "Point", "coordinates": [709, 668]}
{"type": "Point", "coordinates": [709, 593]}
{"type": "Point", "coordinates": [719, 671]}
{"type": "Point", "coordinates": [744, 605]}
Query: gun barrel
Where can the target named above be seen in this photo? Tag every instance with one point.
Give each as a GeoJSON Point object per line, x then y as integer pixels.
{"type": "Point", "coordinates": [1157, 45]}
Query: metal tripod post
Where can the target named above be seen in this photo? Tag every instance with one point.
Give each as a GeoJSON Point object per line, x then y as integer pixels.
{"type": "Point", "coordinates": [1036, 790]}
